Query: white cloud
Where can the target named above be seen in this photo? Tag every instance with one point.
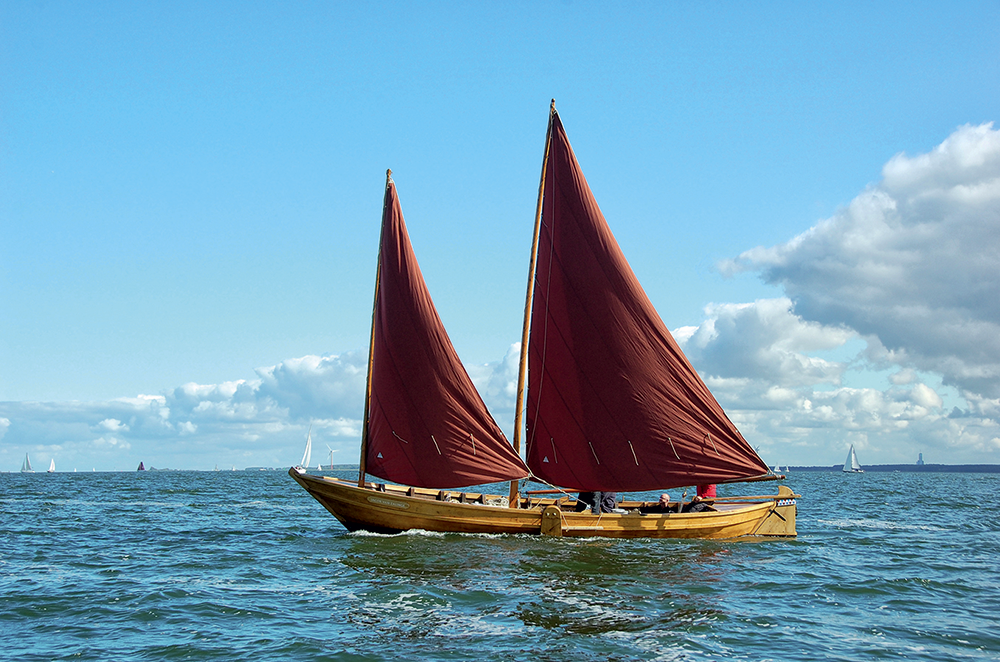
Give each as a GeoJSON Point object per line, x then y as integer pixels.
{"type": "Point", "coordinates": [497, 384]}
{"type": "Point", "coordinates": [262, 422]}
{"type": "Point", "coordinates": [913, 262]}
{"type": "Point", "coordinates": [112, 425]}
{"type": "Point", "coordinates": [763, 340]}
{"type": "Point", "coordinates": [757, 359]}
{"type": "Point", "coordinates": [316, 386]}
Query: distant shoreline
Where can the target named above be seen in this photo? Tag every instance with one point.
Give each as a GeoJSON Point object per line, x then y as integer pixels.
{"type": "Point", "coordinates": [873, 468]}
{"type": "Point", "coordinates": [913, 468]}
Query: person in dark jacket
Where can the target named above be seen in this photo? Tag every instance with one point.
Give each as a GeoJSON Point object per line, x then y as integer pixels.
{"type": "Point", "coordinates": [587, 501]}
{"type": "Point", "coordinates": [661, 506]}
{"type": "Point", "coordinates": [702, 501]}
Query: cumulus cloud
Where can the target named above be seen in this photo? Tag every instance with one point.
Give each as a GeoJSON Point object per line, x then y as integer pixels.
{"type": "Point", "coordinates": [911, 269]}
{"type": "Point", "coordinates": [497, 384]}
{"type": "Point", "coordinates": [913, 263]}
{"type": "Point", "coordinates": [246, 422]}
{"type": "Point", "coordinates": [316, 386]}
{"type": "Point", "coordinates": [111, 425]}
{"type": "Point", "coordinates": [763, 340]}
{"type": "Point", "coordinates": [757, 360]}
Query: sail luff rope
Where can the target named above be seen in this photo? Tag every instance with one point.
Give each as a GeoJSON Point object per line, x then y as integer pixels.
{"type": "Point", "coordinates": [522, 366]}
{"type": "Point", "coordinates": [362, 464]}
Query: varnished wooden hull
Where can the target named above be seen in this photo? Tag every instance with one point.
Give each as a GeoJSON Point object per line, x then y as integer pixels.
{"type": "Point", "coordinates": [392, 508]}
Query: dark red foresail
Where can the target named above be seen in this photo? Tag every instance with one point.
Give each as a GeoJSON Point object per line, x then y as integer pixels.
{"type": "Point", "coordinates": [613, 404]}
{"type": "Point", "coordinates": [428, 426]}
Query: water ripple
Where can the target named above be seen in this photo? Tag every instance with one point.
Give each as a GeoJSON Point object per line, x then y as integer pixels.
{"type": "Point", "coordinates": [244, 565]}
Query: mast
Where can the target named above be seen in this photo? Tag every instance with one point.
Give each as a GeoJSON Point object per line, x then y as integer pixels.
{"type": "Point", "coordinates": [522, 367]}
{"type": "Point", "coordinates": [371, 343]}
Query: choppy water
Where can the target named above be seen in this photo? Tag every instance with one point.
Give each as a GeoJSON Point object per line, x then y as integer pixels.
{"type": "Point", "coordinates": [246, 566]}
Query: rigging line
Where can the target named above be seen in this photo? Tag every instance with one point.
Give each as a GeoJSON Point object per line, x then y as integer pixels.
{"type": "Point", "coordinates": [520, 406]}
{"type": "Point", "coordinates": [672, 448]}
{"type": "Point", "coordinates": [633, 452]}
{"type": "Point", "coordinates": [436, 444]}
{"type": "Point", "coordinates": [709, 435]}
{"type": "Point", "coordinates": [562, 514]}
{"type": "Point", "coordinates": [545, 336]}
{"type": "Point", "coordinates": [535, 478]}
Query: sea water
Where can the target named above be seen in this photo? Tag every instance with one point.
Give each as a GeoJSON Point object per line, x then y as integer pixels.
{"type": "Point", "coordinates": [247, 566]}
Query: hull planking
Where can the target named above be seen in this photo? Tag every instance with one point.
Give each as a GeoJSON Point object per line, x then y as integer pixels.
{"type": "Point", "coordinates": [382, 508]}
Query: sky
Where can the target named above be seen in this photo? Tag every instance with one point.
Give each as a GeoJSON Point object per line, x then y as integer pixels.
{"type": "Point", "coordinates": [190, 199]}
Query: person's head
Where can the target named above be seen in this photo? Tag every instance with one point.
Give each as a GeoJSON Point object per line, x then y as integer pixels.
{"type": "Point", "coordinates": [664, 499]}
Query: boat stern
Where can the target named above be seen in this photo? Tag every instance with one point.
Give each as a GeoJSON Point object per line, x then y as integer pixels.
{"type": "Point", "coordinates": [780, 520]}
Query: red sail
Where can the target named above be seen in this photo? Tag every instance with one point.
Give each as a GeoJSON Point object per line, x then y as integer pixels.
{"type": "Point", "coordinates": [428, 426]}
{"type": "Point", "coordinates": [613, 404]}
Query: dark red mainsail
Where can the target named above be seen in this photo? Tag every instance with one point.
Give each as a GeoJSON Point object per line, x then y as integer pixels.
{"type": "Point", "coordinates": [613, 404]}
{"type": "Point", "coordinates": [427, 424]}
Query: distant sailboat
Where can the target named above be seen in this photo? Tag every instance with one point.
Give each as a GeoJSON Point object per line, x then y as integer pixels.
{"type": "Point", "coordinates": [26, 466]}
{"type": "Point", "coordinates": [303, 466]}
{"type": "Point", "coordinates": [142, 467]}
{"type": "Point", "coordinates": [851, 465]}
{"type": "Point", "coordinates": [52, 466]}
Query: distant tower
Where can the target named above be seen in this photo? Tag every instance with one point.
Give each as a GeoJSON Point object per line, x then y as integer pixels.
{"type": "Point", "coordinates": [920, 459]}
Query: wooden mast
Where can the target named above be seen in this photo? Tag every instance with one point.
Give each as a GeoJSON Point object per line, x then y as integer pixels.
{"type": "Point", "coordinates": [371, 343]}
{"type": "Point", "coordinates": [522, 369]}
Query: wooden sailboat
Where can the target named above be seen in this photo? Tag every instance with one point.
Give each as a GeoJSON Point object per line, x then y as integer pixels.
{"type": "Point", "coordinates": [612, 403]}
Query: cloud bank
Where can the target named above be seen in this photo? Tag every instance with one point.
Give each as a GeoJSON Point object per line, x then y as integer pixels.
{"type": "Point", "coordinates": [913, 261]}
{"type": "Point", "coordinates": [911, 267]}
{"type": "Point", "coordinates": [260, 422]}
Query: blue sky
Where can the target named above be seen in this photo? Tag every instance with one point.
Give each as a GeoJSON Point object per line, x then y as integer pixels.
{"type": "Point", "coordinates": [190, 197]}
